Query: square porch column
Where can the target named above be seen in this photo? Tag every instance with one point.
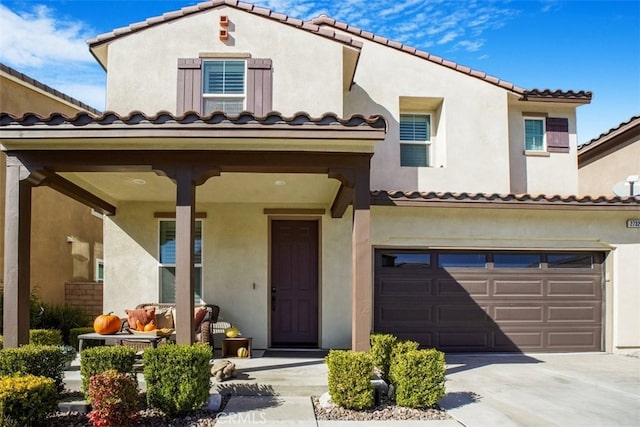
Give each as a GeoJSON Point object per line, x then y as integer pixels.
{"type": "Point", "coordinates": [185, 236]}
{"type": "Point", "coordinates": [362, 295]}
{"type": "Point", "coordinates": [17, 254]}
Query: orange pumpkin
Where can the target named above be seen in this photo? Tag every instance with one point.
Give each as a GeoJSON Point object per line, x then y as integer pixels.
{"type": "Point", "coordinates": [106, 324]}
{"type": "Point", "coordinates": [151, 326]}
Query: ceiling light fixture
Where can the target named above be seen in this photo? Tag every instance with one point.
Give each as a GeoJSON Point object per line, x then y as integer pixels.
{"type": "Point", "coordinates": [138, 181]}
{"type": "Point", "coordinates": [279, 182]}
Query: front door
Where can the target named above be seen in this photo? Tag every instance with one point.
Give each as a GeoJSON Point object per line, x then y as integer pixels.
{"type": "Point", "coordinates": [294, 283]}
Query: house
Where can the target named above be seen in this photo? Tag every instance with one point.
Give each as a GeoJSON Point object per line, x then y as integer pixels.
{"type": "Point", "coordinates": [319, 182]}
{"type": "Point", "coordinates": [610, 159]}
{"type": "Point", "coordinates": [66, 237]}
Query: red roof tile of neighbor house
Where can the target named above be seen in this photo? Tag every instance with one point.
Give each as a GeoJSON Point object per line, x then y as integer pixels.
{"type": "Point", "coordinates": [415, 198]}
{"type": "Point", "coordinates": [633, 122]}
{"type": "Point", "coordinates": [33, 82]}
{"type": "Point", "coordinates": [318, 26]}
{"type": "Point", "coordinates": [216, 117]}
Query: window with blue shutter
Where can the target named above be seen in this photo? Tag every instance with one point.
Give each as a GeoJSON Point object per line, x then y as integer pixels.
{"type": "Point", "coordinates": [415, 140]}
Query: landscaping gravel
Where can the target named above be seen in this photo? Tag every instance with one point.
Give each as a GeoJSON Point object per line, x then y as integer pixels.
{"type": "Point", "coordinates": [386, 410]}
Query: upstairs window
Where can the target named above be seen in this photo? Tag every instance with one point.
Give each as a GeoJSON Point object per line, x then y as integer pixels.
{"type": "Point", "coordinates": [534, 131]}
{"type": "Point", "coordinates": [415, 140]}
{"type": "Point", "coordinates": [223, 86]}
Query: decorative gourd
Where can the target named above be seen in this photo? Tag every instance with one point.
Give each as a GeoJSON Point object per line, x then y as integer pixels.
{"type": "Point", "coordinates": [243, 352]}
{"type": "Point", "coordinates": [139, 326]}
{"type": "Point", "coordinates": [151, 326]}
{"type": "Point", "coordinates": [231, 332]}
{"type": "Point", "coordinates": [106, 324]}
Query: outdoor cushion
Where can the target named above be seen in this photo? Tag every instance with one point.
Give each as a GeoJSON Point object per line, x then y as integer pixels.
{"type": "Point", "coordinates": [144, 315]}
{"type": "Point", "coordinates": [164, 319]}
{"type": "Point", "coordinates": [198, 316]}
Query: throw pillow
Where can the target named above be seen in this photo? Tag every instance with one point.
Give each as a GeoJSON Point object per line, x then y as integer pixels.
{"type": "Point", "coordinates": [199, 315]}
{"type": "Point", "coordinates": [164, 319]}
{"type": "Point", "coordinates": [144, 315]}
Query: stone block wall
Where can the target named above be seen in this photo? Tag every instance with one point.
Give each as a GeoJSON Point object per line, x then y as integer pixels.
{"type": "Point", "coordinates": [87, 295]}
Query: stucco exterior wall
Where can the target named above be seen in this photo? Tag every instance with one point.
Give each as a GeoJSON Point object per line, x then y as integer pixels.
{"type": "Point", "coordinates": [469, 119]}
{"type": "Point", "coordinates": [235, 257]}
{"type": "Point", "coordinates": [307, 70]}
{"type": "Point", "coordinates": [54, 216]}
{"type": "Point", "coordinates": [414, 227]}
{"type": "Point", "coordinates": [550, 173]}
{"type": "Point", "coordinates": [599, 177]}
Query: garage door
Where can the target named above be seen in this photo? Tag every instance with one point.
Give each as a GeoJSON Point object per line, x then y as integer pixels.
{"type": "Point", "coordinates": [490, 301]}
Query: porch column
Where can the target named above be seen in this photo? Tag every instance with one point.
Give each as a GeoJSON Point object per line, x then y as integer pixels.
{"type": "Point", "coordinates": [185, 235]}
{"type": "Point", "coordinates": [17, 253]}
{"type": "Point", "coordinates": [362, 297]}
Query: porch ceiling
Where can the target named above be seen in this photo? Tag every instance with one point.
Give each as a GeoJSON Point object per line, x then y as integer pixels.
{"type": "Point", "coordinates": [265, 188]}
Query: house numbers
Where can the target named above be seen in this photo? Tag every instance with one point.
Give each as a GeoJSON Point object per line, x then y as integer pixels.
{"type": "Point", "coordinates": [633, 223]}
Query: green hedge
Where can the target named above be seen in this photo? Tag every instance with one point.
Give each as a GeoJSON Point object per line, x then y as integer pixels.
{"type": "Point", "coordinates": [418, 378]}
{"type": "Point", "coordinates": [45, 361]}
{"type": "Point", "coordinates": [26, 400]}
{"type": "Point", "coordinates": [45, 337]}
{"type": "Point", "coordinates": [97, 360]}
{"type": "Point", "coordinates": [177, 377]}
{"type": "Point", "coordinates": [381, 349]}
{"type": "Point", "coordinates": [400, 347]}
{"type": "Point", "coordinates": [350, 378]}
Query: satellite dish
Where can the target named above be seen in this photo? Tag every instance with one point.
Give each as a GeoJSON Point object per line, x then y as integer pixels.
{"type": "Point", "coordinates": [626, 188]}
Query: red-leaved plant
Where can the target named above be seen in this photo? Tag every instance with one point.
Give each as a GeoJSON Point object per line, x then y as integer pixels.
{"type": "Point", "coordinates": [114, 400]}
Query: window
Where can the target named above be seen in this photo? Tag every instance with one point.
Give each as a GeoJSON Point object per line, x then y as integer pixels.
{"type": "Point", "coordinates": [415, 140]}
{"type": "Point", "coordinates": [167, 249]}
{"type": "Point", "coordinates": [406, 259]}
{"type": "Point", "coordinates": [570, 260]}
{"type": "Point", "coordinates": [534, 131]}
{"type": "Point", "coordinates": [516, 260]}
{"type": "Point", "coordinates": [223, 86]}
{"type": "Point", "coordinates": [462, 260]}
{"type": "Point", "coordinates": [99, 272]}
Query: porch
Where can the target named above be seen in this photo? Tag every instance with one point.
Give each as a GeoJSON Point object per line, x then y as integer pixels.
{"type": "Point", "coordinates": [140, 169]}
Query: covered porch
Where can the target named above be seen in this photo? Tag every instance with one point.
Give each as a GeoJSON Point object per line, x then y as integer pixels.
{"type": "Point", "coordinates": [186, 167]}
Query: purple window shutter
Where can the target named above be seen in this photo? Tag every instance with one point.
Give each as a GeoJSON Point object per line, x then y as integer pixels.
{"type": "Point", "coordinates": [189, 85]}
{"type": "Point", "coordinates": [557, 135]}
{"type": "Point", "coordinates": [259, 86]}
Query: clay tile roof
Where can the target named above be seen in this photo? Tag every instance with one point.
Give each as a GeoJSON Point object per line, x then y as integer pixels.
{"type": "Point", "coordinates": [415, 198]}
{"type": "Point", "coordinates": [625, 126]}
{"type": "Point", "coordinates": [535, 94]}
{"type": "Point", "coordinates": [189, 118]}
{"type": "Point", "coordinates": [200, 7]}
{"type": "Point", "coordinates": [48, 89]}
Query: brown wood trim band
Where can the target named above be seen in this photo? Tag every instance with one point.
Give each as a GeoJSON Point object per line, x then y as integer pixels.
{"type": "Point", "coordinates": [173, 214]}
{"type": "Point", "coordinates": [269, 211]}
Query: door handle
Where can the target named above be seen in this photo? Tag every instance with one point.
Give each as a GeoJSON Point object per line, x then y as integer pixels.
{"type": "Point", "coordinates": [273, 298]}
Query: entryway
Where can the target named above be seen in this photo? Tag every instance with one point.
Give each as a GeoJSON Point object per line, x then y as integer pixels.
{"type": "Point", "coordinates": [294, 283]}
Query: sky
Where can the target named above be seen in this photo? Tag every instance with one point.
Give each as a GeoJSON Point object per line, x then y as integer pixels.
{"type": "Point", "coordinates": [543, 44]}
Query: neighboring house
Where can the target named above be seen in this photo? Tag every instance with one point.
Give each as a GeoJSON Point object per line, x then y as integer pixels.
{"type": "Point", "coordinates": [66, 238]}
{"type": "Point", "coordinates": [422, 212]}
{"type": "Point", "coordinates": [610, 159]}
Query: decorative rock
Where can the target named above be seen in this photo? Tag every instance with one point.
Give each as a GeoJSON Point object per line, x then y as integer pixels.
{"type": "Point", "coordinates": [214, 402]}
{"type": "Point", "coordinates": [325, 400]}
{"type": "Point", "coordinates": [223, 369]}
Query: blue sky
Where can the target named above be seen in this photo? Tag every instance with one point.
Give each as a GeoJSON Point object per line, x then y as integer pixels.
{"type": "Point", "coordinates": [544, 44]}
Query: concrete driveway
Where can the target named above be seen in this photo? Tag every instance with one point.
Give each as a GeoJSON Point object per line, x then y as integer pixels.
{"type": "Point", "coordinates": [594, 389]}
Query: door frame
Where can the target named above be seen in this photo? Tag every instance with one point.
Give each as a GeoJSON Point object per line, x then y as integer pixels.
{"type": "Point", "coordinates": [294, 217]}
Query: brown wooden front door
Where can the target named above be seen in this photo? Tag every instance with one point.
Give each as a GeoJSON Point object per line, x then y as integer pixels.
{"type": "Point", "coordinates": [294, 283]}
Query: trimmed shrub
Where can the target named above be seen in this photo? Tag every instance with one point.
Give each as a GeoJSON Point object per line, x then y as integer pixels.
{"type": "Point", "coordinates": [73, 337]}
{"type": "Point", "coordinates": [40, 360]}
{"type": "Point", "coordinates": [1, 342]}
{"type": "Point", "coordinates": [97, 360]}
{"type": "Point", "coordinates": [401, 347]}
{"type": "Point", "coordinates": [45, 337]}
{"type": "Point", "coordinates": [114, 399]}
{"type": "Point", "coordinates": [26, 399]}
{"type": "Point", "coordinates": [419, 378]}
{"type": "Point", "coordinates": [381, 349]}
{"type": "Point", "coordinates": [350, 378]}
{"type": "Point", "coordinates": [177, 377]}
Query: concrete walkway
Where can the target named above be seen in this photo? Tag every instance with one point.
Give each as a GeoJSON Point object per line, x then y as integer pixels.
{"type": "Point", "coordinates": [482, 390]}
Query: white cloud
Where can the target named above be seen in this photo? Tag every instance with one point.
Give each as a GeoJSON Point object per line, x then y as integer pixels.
{"type": "Point", "coordinates": [451, 35]}
{"type": "Point", "coordinates": [470, 46]}
{"type": "Point", "coordinates": [36, 38]}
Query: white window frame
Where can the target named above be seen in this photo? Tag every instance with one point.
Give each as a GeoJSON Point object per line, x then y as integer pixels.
{"type": "Point", "coordinates": [229, 96]}
{"type": "Point", "coordinates": [428, 143]}
{"type": "Point", "coordinates": [544, 134]}
{"type": "Point", "coordinates": [199, 265]}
